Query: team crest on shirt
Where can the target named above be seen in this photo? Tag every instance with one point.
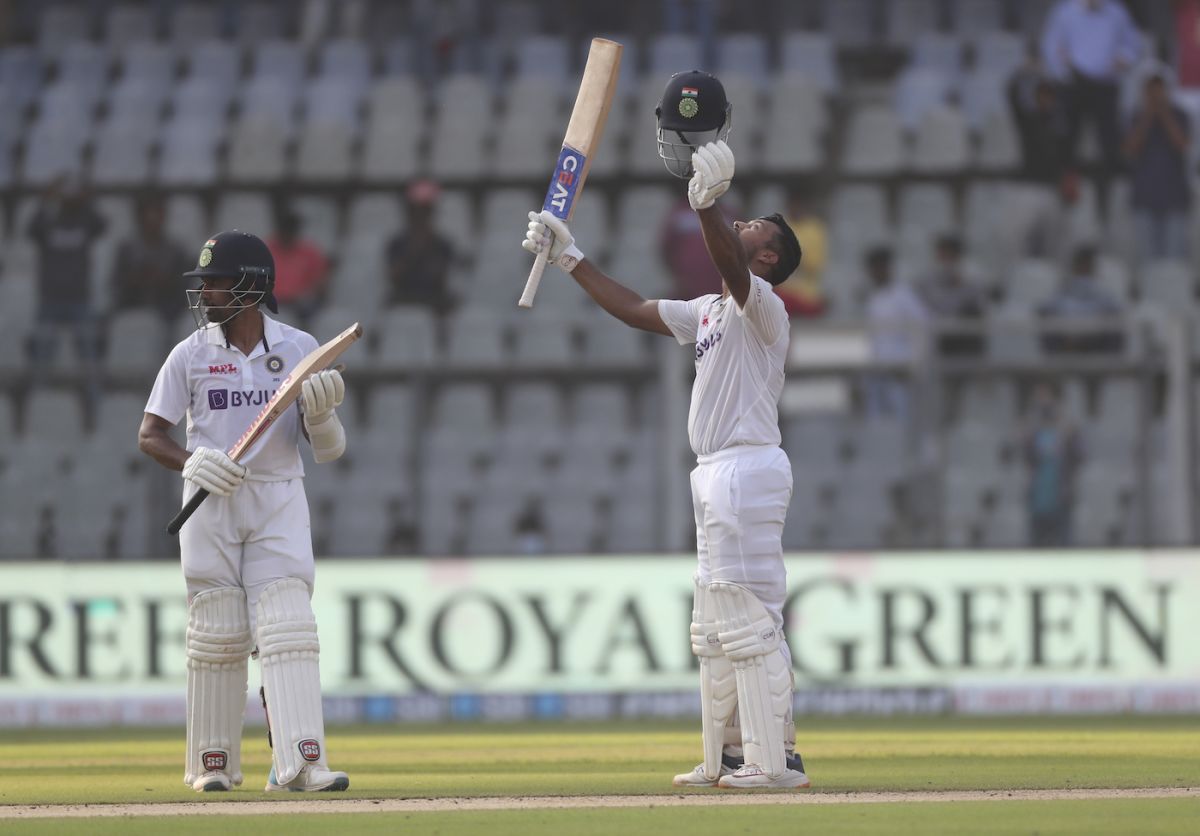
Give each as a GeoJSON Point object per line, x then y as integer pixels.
{"type": "Point", "coordinates": [274, 364]}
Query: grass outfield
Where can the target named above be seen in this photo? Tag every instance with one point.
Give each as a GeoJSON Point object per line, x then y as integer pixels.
{"type": "Point", "coordinates": [841, 755]}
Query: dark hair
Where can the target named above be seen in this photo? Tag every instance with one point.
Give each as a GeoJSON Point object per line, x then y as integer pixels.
{"type": "Point", "coordinates": [950, 244]}
{"type": "Point", "coordinates": [785, 245]}
{"type": "Point", "coordinates": [878, 256]}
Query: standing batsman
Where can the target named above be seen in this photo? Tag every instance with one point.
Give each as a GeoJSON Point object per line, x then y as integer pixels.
{"type": "Point", "coordinates": [742, 483]}
{"type": "Point", "coordinates": [247, 552]}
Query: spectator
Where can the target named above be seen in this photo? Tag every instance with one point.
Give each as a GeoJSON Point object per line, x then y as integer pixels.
{"type": "Point", "coordinates": [1088, 45]}
{"type": "Point", "coordinates": [1080, 301]}
{"type": "Point", "coordinates": [1157, 145]}
{"type": "Point", "coordinates": [1053, 452]}
{"type": "Point", "coordinates": [418, 258]}
{"type": "Point", "coordinates": [895, 323]}
{"type": "Point", "coordinates": [803, 294]}
{"type": "Point", "coordinates": [64, 228]}
{"type": "Point", "coordinates": [682, 245]}
{"type": "Point", "coordinates": [301, 268]}
{"type": "Point", "coordinates": [1047, 160]}
{"type": "Point", "coordinates": [949, 296]}
{"type": "Point", "coordinates": [148, 265]}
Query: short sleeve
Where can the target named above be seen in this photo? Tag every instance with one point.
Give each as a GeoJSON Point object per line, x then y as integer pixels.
{"type": "Point", "coordinates": [171, 397]}
{"type": "Point", "coordinates": [765, 311]}
{"type": "Point", "coordinates": [682, 317]}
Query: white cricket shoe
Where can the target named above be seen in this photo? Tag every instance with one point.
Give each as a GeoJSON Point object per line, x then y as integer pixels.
{"type": "Point", "coordinates": [312, 778]}
{"type": "Point", "coordinates": [213, 782]}
{"type": "Point", "coordinates": [752, 776]}
{"type": "Point", "coordinates": [697, 778]}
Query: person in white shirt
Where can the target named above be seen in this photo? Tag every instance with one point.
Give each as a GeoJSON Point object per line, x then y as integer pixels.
{"type": "Point", "coordinates": [742, 484]}
{"type": "Point", "coordinates": [247, 552]}
{"type": "Point", "coordinates": [897, 323]}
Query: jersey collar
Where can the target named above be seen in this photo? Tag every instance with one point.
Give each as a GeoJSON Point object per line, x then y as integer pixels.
{"type": "Point", "coordinates": [272, 335]}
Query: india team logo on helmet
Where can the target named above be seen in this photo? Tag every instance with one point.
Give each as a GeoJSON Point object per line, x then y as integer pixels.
{"type": "Point", "coordinates": [693, 111]}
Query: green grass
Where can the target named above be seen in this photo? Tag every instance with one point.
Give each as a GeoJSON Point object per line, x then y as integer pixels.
{"type": "Point", "coordinates": [842, 754]}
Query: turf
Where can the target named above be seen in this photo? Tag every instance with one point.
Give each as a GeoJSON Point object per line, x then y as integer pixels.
{"type": "Point", "coordinates": [842, 754]}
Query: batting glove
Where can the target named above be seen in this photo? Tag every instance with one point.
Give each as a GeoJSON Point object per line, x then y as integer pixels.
{"type": "Point", "coordinates": [548, 230]}
{"type": "Point", "coordinates": [322, 392]}
{"type": "Point", "coordinates": [713, 165]}
{"type": "Point", "coordinates": [214, 471]}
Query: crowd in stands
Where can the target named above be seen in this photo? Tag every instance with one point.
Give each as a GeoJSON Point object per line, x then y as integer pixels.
{"type": "Point", "coordinates": [972, 180]}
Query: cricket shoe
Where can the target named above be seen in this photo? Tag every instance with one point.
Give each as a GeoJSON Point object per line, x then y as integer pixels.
{"type": "Point", "coordinates": [752, 776]}
{"type": "Point", "coordinates": [697, 778]}
{"type": "Point", "coordinates": [312, 778]}
{"type": "Point", "coordinates": [213, 782]}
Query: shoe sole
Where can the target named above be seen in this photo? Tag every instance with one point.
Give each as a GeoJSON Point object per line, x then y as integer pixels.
{"type": "Point", "coordinates": [804, 786]}
{"type": "Point", "coordinates": [704, 786]}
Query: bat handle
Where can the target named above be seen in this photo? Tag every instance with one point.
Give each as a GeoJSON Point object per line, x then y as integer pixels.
{"type": "Point", "coordinates": [186, 511]}
{"type": "Point", "coordinates": [535, 278]}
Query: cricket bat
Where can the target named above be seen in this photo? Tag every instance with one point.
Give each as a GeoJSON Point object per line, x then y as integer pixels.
{"type": "Point", "coordinates": [288, 392]}
{"type": "Point", "coordinates": [595, 97]}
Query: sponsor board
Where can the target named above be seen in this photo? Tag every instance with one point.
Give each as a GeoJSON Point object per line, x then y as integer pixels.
{"type": "Point", "coordinates": [968, 623]}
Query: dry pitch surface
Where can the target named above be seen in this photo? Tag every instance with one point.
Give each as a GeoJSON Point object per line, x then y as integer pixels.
{"type": "Point", "coordinates": [1086, 775]}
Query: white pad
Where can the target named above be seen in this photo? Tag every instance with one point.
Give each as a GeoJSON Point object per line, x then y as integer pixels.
{"type": "Point", "coordinates": [288, 649]}
{"type": "Point", "coordinates": [218, 645]}
{"type": "Point", "coordinates": [751, 640]}
{"type": "Point", "coordinates": [718, 687]}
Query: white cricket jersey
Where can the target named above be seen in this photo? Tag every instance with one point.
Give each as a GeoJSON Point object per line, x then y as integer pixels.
{"type": "Point", "coordinates": [222, 391]}
{"type": "Point", "coordinates": [740, 353]}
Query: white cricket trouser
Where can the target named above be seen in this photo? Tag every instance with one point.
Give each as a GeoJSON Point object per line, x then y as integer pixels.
{"type": "Point", "coordinates": [741, 496]}
{"type": "Point", "coordinates": [259, 535]}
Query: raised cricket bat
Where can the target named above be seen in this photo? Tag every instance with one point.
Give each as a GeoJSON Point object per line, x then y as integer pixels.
{"type": "Point", "coordinates": [289, 390]}
{"type": "Point", "coordinates": [595, 97]}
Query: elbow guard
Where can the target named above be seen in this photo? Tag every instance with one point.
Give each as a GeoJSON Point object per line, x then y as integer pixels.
{"type": "Point", "coordinates": [327, 436]}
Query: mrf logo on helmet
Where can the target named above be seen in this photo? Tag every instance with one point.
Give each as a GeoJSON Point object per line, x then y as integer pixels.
{"type": "Point", "coordinates": [234, 255]}
{"type": "Point", "coordinates": [693, 111]}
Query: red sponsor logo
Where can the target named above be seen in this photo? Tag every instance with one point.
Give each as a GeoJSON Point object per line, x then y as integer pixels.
{"type": "Point", "coordinates": [704, 321]}
{"type": "Point", "coordinates": [310, 749]}
{"type": "Point", "coordinates": [214, 761]}
{"type": "Point", "coordinates": [223, 368]}
{"type": "Point", "coordinates": [566, 177]}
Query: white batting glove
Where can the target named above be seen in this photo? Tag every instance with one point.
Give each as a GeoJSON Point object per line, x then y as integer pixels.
{"type": "Point", "coordinates": [322, 392]}
{"type": "Point", "coordinates": [214, 471]}
{"type": "Point", "coordinates": [547, 230]}
{"type": "Point", "coordinates": [713, 165]}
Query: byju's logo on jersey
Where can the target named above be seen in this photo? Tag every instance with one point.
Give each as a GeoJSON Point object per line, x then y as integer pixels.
{"type": "Point", "coordinates": [223, 368]}
{"type": "Point", "coordinates": [707, 344]}
{"type": "Point", "coordinates": [224, 399]}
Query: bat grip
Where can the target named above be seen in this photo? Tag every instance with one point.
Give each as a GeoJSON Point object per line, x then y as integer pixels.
{"type": "Point", "coordinates": [535, 278]}
{"type": "Point", "coordinates": [186, 511]}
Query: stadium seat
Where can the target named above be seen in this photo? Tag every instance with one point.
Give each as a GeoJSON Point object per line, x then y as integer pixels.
{"type": "Point", "coordinates": [906, 21]}
{"type": "Point", "coordinates": [61, 24]}
{"type": "Point", "coordinates": [257, 150]}
{"type": "Point", "coordinates": [997, 51]}
{"type": "Point", "coordinates": [851, 23]}
{"type": "Point", "coordinates": [122, 154]}
{"type": "Point", "coordinates": [217, 61]}
{"type": "Point", "coordinates": [743, 53]}
{"type": "Point", "coordinates": [187, 221]}
{"type": "Point", "coordinates": [1169, 284]}
{"type": "Point", "coordinates": [320, 219]}
{"type": "Point", "coordinates": [324, 152]}
{"type": "Point", "coordinates": [670, 52]}
{"type": "Point", "coordinates": [874, 145]}
{"type": "Point", "coordinates": [544, 55]}
{"type": "Point", "coordinates": [919, 90]}
{"type": "Point", "coordinates": [282, 60]}
{"type": "Point", "coordinates": [271, 98]}
{"type": "Point", "coordinates": [941, 145]}
{"type": "Point", "coordinates": [810, 54]}
{"type": "Point", "coordinates": [374, 212]}
{"type": "Point", "coordinates": [544, 344]}
{"type": "Point", "coordinates": [259, 21]}
{"type": "Point", "coordinates": [475, 338]}
{"type": "Point", "coordinates": [406, 340]}
{"type": "Point", "coordinates": [245, 210]}
{"type": "Point", "coordinates": [345, 58]}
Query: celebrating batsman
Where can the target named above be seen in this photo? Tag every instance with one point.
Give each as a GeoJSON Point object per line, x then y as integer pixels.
{"type": "Point", "coordinates": [742, 483]}
{"type": "Point", "coordinates": [247, 552]}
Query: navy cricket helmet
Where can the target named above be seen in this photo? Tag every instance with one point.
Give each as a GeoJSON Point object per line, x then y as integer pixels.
{"type": "Point", "coordinates": [693, 111]}
{"type": "Point", "coordinates": [237, 255]}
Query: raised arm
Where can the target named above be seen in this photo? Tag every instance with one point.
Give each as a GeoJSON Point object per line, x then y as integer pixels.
{"type": "Point", "coordinates": [546, 230]}
{"type": "Point", "coordinates": [714, 165]}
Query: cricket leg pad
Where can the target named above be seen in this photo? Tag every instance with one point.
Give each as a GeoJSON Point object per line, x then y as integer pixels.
{"type": "Point", "coordinates": [218, 645]}
{"type": "Point", "coordinates": [751, 642]}
{"type": "Point", "coordinates": [289, 651]}
{"type": "Point", "coordinates": [718, 687]}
